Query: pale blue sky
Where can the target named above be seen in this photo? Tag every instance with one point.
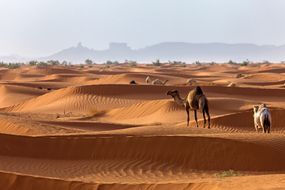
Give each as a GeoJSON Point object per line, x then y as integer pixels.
{"type": "Point", "coordinates": [42, 27]}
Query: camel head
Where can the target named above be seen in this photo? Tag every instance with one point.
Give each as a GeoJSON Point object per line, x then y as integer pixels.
{"type": "Point", "coordinates": [172, 93]}
{"type": "Point", "coordinates": [147, 80]}
{"type": "Point", "coordinates": [255, 109]}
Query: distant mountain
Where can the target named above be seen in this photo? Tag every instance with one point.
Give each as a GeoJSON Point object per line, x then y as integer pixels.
{"type": "Point", "coordinates": [179, 51]}
{"type": "Point", "coordinates": [13, 59]}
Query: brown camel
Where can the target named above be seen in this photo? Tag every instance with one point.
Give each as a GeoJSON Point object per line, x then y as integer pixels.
{"type": "Point", "coordinates": [196, 100]}
{"type": "Point", "coordinates": [159, 82]}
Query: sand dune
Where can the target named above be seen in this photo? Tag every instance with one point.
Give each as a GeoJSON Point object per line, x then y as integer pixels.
{"type": "Point", "coordinates": [11, 95]}
{"type": "Point", "coordinates": [72, 127]}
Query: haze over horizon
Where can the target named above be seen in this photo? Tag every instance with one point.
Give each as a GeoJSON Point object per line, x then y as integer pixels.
{"type": "Point", "coordinates": [35, 28]}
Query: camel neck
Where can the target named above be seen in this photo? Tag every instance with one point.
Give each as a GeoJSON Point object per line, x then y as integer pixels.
{"type": "Point", "coordinates": [179, 100]}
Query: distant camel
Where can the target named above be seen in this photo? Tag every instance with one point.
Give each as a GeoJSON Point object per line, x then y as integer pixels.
{"type": "Point", "coordinates": [133, 82]}
{"type": "Point", "coordinates": [231, 84]}
{"type": "Point", "coordinates": [191, 82]}
{"type": "Point", "coordinates": [159, 82]}
{"type": "Point", "coordinates": [147, 80]}
{"type": "Point", "coordinates": [262, 118]}
{"type": "Point", "coordinates": [196, 100]}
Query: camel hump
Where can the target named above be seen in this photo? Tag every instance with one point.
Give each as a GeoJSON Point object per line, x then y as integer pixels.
{"type": "Point", "coordinates": [199, 90]}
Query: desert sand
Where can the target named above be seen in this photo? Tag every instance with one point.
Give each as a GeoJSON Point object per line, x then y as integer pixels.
{"type": "Point", "coordinates": [68, 127]}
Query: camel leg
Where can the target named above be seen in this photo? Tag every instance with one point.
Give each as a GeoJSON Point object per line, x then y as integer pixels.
{"type": "Point", "coordinates": [209, 118]}
{"type": "Point", "coordinates": [264, 130]}
{"type": "Point", "coordinates": [187, 111]}
{"type": "Point", "coordinates": [268, 130]}
{"type": "Point", "coordinates": [256, 128]}
{"type": "Point", "coordinates": [204, 118]}
{"type": "Point", "coordinates": [195, 115]}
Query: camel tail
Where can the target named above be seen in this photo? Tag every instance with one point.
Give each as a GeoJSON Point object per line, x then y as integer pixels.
{"type": "Point", "coordinates": [203, 104]}
{"type": "Point", "coordinates": [266, 121]}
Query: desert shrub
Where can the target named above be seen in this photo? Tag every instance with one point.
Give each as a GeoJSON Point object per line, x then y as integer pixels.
{"type": "Point", "coordinates": [53, 62]}
{"type": "Point", "coordinates": [156, 63]}
{"type": "Point", "coordinates": [13, 65]}
{"type": "Point", "coordinates": [42, 64]}
{"type": "Point", "coordinates": [228, 173]}
{"type": "Point", "coordinates": [232, 62]}
{"type": "Point", "coordinates": [88, 62]}
{"type": "Point", "coordinates": [245, 63]}
{"type": "Point", "coordinates": [64, 63]}
{"type": "Point", "coordinates": [266, 62]}
{"type": "Point", "coordinates": [197, 63]}
{"type": "Point", "coordinates": [176, 63]}
{"type": "Point", "coordinates": [131, 63]}
{"type": "Point", "coordinates": [112, 62]}
{"type": "Point", "coordinates": [33, 63]}
{"type": "Point", "coordinates": [10, 65]}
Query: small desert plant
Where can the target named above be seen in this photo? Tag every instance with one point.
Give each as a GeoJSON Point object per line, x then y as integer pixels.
{"type": "Point", "coordinates": [131, 63]}
{"type": "Point", "coordinates": [53, 62]}
{"type": "Point", "coordinates": [156, 63]}
{"type": "Point", "coordinates": [176, 62]}
{"type": "Point", "coordinates": [10, 65]}
{"type": "Point", "coordinates": [266, 62]}
{"type": "Point", "coordinates": [42, 64]}
{"type": "Point", "coordinates": [245, 63]}
{"type": "Point", "coordinates": [197, 63]}
{"type": "Point", "coordinates": [112, 62]}
{"type": "Point", "coordinates": [228, 173]}
{"type": "Point", "coordinates": [232, 62]}
{"type": "Point", "coordinates": [64, 63]}
{"type": "Point", "coordinates": [33, 63]}
{"type": "Point", "coordinates": [88, 62]}
{"type": "Point", "coordinates": [13, 65]}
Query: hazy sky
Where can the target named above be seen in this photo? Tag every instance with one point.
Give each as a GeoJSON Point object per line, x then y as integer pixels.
{"type": "Point", "coordinates": [42, 27]}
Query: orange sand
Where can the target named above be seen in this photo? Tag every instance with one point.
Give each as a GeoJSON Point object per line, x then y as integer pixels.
{"type": "Point", "coordinates": [93, 130]}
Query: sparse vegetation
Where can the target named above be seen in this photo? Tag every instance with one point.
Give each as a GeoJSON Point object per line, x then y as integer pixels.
{"type": "Point", "coordinates": [53, 62]}
{"type": "Point", "coordinates": [112, 62]}
{"type": "Point", "coordinates": [88, 62]}
{"type": "Point", "coordinates": [245, 63]}
{"type": "Point", "coordinates": [178, 63]}
{"type": "Point", "coordinates": [42, 64]}
{"type": "Point", "coordinates": [156, 63]}
{"type": "Point", "coordinates": [232, 62]}
{"type": "Point", "coordinates": [197, 63]}
{"type": "Point", "coordinates": [228, 173]}
{"type": "Point", "coordinates": [11, 65]}
{"type": "Point", "coordinates": [131, 63]}
{"type": "Point", "coordinates": [266, 62]}
{"type": "Point", "coordinates": [33, 63]}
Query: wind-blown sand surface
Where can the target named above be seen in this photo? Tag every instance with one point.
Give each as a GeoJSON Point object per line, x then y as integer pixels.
{"type": "Point", "coordinates": [88, 128]}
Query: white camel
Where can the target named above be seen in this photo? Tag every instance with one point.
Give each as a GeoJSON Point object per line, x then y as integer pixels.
{"type": "Point", "coordinates": [262, 118]}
